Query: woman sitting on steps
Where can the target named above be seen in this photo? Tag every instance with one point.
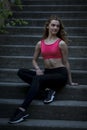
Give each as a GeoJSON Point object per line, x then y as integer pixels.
{"type": "Point", "coordinates": [54, 50]}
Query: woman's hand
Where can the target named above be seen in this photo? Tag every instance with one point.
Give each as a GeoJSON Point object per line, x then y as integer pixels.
{"type": "Point", "coordinates": [39, 72]}
{"type": "Point", "coordinates": [74, 84]}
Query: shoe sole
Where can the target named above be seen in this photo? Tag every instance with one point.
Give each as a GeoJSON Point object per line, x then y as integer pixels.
{"type": "Point", "coordinates": [52, 97]}
{"type": "Point", "coordinates": [20, 120]}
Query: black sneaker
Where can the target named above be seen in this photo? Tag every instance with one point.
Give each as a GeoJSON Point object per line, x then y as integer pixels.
{"type": "Point", "coordinates": [50, 96]}
{"type": "Point", "coordinates": [18, 116]}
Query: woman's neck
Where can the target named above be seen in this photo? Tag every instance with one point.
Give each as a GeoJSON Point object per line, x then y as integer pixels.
{"type": "Point", "coordinates": [51, 40]}
{"type": "Point", "coordinates": [51, 37]}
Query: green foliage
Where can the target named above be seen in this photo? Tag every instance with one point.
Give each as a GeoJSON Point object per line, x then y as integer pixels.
{"type": "Point", "coordinates": [17, 22]}
{"type": "Point", "coordinates": [3, 30]}
{"type": "Point", "coordinates": [19, 3]}
{"type": "Point", "coordinates": [5, 13]}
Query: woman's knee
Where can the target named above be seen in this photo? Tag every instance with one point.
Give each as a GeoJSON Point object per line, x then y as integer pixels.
{"type": "Point", "coordinates": [20, 72]}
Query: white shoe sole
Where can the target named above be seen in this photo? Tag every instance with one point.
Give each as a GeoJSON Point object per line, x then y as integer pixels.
{"type": "Point", "coordinates": [20, 120]}
{"type": "Point", "coordinates": [52, 97]}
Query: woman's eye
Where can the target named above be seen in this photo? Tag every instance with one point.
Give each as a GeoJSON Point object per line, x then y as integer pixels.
{"type": "Point", "coordinates": [52, 24]}
{"type": "Point", "coordinates": [55, 25]}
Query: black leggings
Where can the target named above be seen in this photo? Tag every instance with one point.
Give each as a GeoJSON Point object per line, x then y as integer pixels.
{"type": "Point", "coordinates": [52, 78]}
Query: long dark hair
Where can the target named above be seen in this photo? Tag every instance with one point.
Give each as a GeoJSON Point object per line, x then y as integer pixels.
{"type": "Point", "coordinates": [61, 34]}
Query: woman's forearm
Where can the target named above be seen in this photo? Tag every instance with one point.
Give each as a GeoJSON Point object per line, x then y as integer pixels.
{"type": "Point", "coordinates": [36, 66]}
{"type": "Point", "coordinates": [69, 72]}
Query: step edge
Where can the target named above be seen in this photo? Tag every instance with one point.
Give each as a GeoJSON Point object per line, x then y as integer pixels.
{"type": "Point", "coordinates": [30, 57]}
{"type": "Point", "coordinates": [34, 36]}
{"type": "Point", "coordinates": [60, 103]}
{"type": "Point", "coordinates": [30, 5]}
{"type": "Point", "coordinates": [15, 70]}
{"type": "Point", "coordinates": [33, 46]}
{"type": "Point", "coordinates": [48, 123]}
{"type": "Point", "coordinates": [13, 84]}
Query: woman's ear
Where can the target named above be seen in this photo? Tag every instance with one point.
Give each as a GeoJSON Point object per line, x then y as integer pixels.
{"type": "Point", "coordinates": [47, 27]}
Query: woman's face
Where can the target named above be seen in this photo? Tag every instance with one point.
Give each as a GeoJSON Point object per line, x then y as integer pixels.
{"type": "Point", "coordinates": [54, 27]}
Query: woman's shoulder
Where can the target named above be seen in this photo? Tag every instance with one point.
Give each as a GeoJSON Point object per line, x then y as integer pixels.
{"type": "Point", "coordinates": [39, 43]}
{"type": "Point", "coordinates": [62, 44]}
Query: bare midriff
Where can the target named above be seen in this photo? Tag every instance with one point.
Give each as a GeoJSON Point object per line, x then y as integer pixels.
{"type": "Point", "coordinates": [53, 63]}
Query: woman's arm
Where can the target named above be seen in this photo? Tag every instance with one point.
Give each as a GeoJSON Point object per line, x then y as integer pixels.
{"type": "Point", "coordinates": [64, 50]}
{"type": "Point", "coordinates": [35, 58]}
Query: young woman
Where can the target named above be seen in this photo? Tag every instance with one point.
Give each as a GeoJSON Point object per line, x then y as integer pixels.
{"type": "Point", "coordinates": [54, 51]}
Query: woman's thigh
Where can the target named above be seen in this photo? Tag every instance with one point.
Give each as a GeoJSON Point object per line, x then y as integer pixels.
{"type": "Point", "coordinates": [53, 81]}
{"type": "Point", "coordinates": [26, 75]}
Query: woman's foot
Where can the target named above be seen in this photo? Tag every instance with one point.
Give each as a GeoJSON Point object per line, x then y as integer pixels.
{"type": "Point", "coordinates": [49, 96]}
{"type": "Point", "coordinates": [18, 116]}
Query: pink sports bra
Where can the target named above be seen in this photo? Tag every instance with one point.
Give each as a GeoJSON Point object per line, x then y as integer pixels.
{"type": "Point", "coordinates": [51, 50]}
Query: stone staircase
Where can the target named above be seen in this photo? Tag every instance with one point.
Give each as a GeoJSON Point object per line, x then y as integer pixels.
{"type": "Point", "coordinates": [69, 110]}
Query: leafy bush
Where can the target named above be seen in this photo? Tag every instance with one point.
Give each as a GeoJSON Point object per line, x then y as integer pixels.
{"type": "Point", "coordinates": [6, 12]}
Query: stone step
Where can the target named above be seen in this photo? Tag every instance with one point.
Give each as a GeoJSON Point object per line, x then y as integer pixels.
{"type": "Point", "coordinates": [56, 7]}
{"type": "Point", "coordinates": [10, 75]}
{"type": "Point", "coordinates": [44, 124]}
{"type": "Point", "coordinates": [28, 50]}
{"type": "Point", "coordinates": [67, 22]}
{"type": "Point", "coordinates": [69, 110]}
{"type": "Point", "coordinates": [57, 110]}
{"type": "Point", "coordinates": [26, 61]}
{"type": "Point", "coordinates": [77, 51]}
{"type": "Point", "coordinates": [79, 31]}
{"type": "Point", "coordinates": [78, 93]}
{"type": "Point", "coordinates": [46, 14]}
{"type": "Point", "coordinates": [52, 2]}
{"type": "Point", "coordinates": [33, 39]}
